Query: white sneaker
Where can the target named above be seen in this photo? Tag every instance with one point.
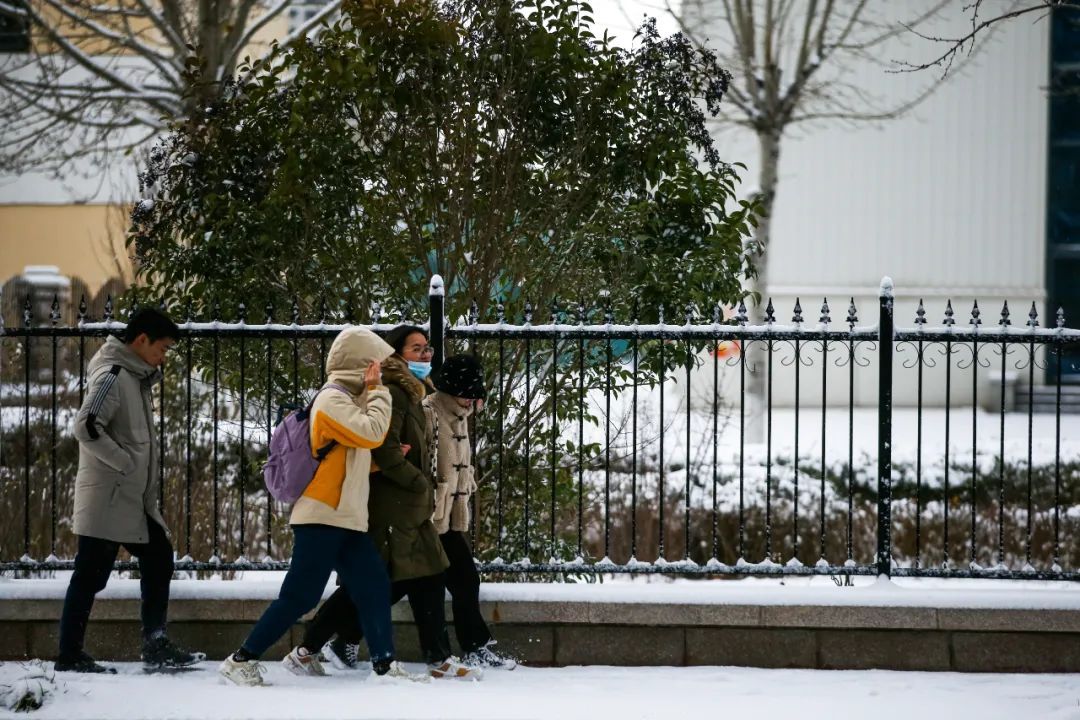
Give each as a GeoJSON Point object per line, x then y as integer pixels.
{"type": "Point", "coordinates": [451, 667]}
{"type": "Point", "coordinates": [487, 657]}
{"type": "Point", "coordinates": [396, 672]}
{"type": "Point", "coordinates": [244, 673]}
{"type": "Point", "coordinates": [301, 662]}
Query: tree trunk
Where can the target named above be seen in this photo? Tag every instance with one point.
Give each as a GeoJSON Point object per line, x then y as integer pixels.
{"type": "Point", "coordinates": [210, 35]}
{"type": "Point", "coordinates": [769, 147]}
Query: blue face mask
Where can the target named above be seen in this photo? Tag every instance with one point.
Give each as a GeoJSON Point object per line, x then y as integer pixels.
{"type": "Point", "coordinates": [420, 369]}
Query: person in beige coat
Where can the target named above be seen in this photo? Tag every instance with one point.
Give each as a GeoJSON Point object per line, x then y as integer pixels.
{"type": "Point", "coordinates": [116, 491]}
{"type": "Point", "coordinates": [459, 386]}
{"type": "Point", "coordinates": [330, 520]}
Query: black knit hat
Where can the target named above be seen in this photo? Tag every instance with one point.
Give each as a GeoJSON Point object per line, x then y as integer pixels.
{"type": "Point", "coordinates": [461, 376]}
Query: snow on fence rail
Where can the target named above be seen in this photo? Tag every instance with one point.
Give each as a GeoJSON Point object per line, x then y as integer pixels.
{"type": "Point", "coordinates": [595, 453]}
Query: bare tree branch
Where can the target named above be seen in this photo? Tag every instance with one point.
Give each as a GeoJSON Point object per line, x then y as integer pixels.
{"type": "Point", "coordinates": [958, 44]}
{"type": "Point", "coordinates": [96, 67]}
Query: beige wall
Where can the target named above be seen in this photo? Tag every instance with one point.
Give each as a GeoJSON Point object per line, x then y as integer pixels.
{"type": "Point", "coordinates": [84, 241]}
{"type": "Point", "coordinates": [135, 24]}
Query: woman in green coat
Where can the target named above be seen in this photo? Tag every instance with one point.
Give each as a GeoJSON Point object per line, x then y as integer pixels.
{"type": "Point", "coordinates": [400, 508]}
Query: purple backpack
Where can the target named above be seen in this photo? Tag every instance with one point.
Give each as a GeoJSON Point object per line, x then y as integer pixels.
{"type": "Point", "coordinates": [292, 464]}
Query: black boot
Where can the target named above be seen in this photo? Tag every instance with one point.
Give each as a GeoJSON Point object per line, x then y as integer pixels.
{"type": "Point", "coordinates": [80, 662]}
{"type": "Point", "coordinates": [161, 652]}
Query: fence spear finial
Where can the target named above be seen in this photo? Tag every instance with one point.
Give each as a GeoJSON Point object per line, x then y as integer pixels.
{"type": "Point", "coordinates": [920, 314]}
{"type": "Point", "coordinates": [1061, 317]}
{"type": "Point", "coordinates": [797, 318]}
{"type": "Point", "coordinates": [825, 318]}
{"type": "Point", "coordinates": [474, 313]}
{"type": "Point", "coordinates": [740, 316]}
{"type": "Point", "coordinates": [82, 308]}
{"type": "Point", "coordinates": [949, 319]}
{"type": "Point", "coordinates": [976, 319]}
{"type": "Point", "coordinates": [852, 314]}
{"type": "Point", "coordinates": [54, 310]}
{"type": "Point", "coordinates": [770, 313]}
{"type": "Point", "coordinates": [1033, 316]}
{"type": "Point", "coordinates": [1004, 321]}
{"type": "Point", "coordinates": [108, 307]}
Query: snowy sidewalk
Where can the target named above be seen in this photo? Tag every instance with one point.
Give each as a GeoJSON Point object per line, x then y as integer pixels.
{"type": "Point", "coordinates": [564, 693]}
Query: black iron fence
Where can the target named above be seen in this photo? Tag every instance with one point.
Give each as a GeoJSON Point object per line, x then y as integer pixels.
{"type": "Point", "coordinates": [598, 451]}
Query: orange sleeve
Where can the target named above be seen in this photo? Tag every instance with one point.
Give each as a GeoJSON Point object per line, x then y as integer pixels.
{"type": "Point", "coordinates": [331, 429]}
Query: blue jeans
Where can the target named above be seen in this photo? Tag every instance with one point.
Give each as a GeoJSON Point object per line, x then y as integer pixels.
{"type": "Point", "coordinates": [317, 550]}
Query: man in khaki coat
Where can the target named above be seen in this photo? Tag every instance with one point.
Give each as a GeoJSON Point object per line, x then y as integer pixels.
{"type": "Point", "coordinates": [116, 492]}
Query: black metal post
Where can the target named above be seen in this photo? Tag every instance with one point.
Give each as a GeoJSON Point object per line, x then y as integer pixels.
{"type": "Point", "coordinates": [437, 320]}
{"type": "Point", "coordinates": [187, 444]}
{"type": "Point", "coordinates": [554, 426]}
{"type": "Point", "coordinates": [885, 382]}
{"type": "Point", "coordinates": [269, 427]}
{"type": "Point", "coordinates": [215, 463]}
{"type": "Point", "coordinates": [502, 446]}
{"type": "Point", "coordinates": [243, 438]}
{"type": "Point", "coordinates": [527, 409]}
{"type": "Point", "coordinates": [634, 447]}
{"type": "Point", "coordinates": [54, 318]}
{"type": "Point", "coordinates": [27, 447]}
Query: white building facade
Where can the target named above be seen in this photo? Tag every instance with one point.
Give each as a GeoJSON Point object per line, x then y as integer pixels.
{"type": "Point", "coordinates": [951, 201]}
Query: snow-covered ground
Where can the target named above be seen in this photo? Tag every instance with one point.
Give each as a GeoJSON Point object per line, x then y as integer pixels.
{"type": "Point", "coordinates": [572, 692]}
{"type": "Point", "coordinates": [588, 692]}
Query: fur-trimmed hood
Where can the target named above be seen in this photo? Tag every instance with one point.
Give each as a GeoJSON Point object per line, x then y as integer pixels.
{"type": "Point", "coordinates": [396, 371]}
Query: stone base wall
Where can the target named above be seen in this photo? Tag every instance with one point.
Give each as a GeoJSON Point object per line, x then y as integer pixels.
{"type": "Point", "coordinates": [558, 633]}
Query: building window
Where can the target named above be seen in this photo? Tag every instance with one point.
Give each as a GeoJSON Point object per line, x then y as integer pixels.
{"type": "Point", "coordinates": [14, 30]}
{"type": "Point", "coordinates": [1063, 180]}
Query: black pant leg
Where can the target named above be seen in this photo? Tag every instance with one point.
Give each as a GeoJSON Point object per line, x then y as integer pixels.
{"type": "Point", "coordinates": [155, 573]}
{"type": "Point", "coordinates": [336, 615]}
{"type": "Point", "coordinates": [427, 600]}
{"type": "Point", "coordinates": [93, 563]}
{"type": "Point", "coordinates": [346, 622]}
{"type": "Point", "coordinates": [463, 582]}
